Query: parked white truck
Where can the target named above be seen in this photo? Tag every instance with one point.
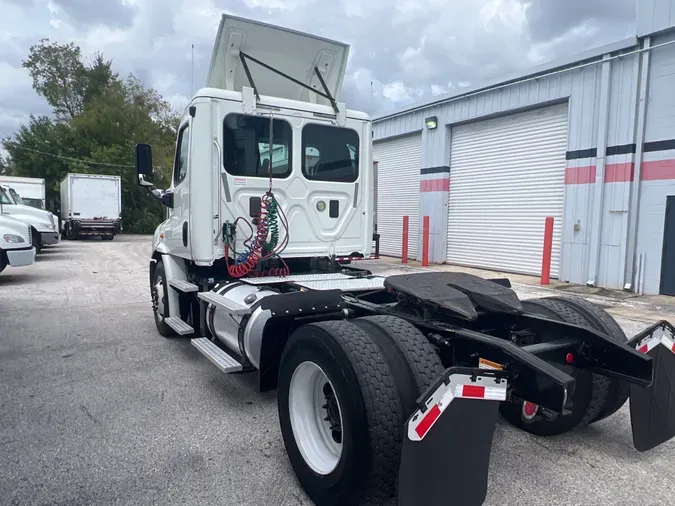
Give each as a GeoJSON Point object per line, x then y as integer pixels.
{"type": "Point", "coordinates": [43, 223]}
{"type": "Point", "coordinates": [91, 205]}
{"type": "Point", "coordinates": [386, 386]}
{"type": "Point", "coordinates": [16, 248]}
{"type": "Point", "coordinates": [31, 189]}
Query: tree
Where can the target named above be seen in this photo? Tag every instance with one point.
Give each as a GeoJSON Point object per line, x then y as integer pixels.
{"type": "Point", "coordinates": [98, 119]}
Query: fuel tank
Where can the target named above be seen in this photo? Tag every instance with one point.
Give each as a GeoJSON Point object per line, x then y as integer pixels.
{"type": "Point", "coordinates": [240, 333]}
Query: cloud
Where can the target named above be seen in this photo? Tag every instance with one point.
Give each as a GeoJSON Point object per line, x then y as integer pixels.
{"type": "Point", "coordinates": [401, 51]}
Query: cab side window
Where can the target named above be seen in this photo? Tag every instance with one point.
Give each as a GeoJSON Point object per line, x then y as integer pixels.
{"type": "Point", "coordinates": [181, 163]}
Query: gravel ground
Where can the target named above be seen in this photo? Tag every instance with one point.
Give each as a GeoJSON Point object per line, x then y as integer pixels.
{"type": "Point", "coordinates": [96, 408]}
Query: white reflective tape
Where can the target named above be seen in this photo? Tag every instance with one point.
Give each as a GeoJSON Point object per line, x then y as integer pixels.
{"type": "Point", "coordinates": [648, 344]}
{"type": "Point", "coordinates": [668, 342]}
{"type": "Point", "coordinates": [460, 385]}
{"type": "Point", "coordinates": [473, 391]}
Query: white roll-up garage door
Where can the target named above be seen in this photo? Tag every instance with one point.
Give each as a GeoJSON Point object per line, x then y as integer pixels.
{"type": "Point", "coordinates": [398, 192]}
{"type": "Point", "coordinates": [507, 175]}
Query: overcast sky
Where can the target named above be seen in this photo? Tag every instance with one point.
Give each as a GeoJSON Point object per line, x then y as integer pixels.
{"type": "Point", "coordinates": [409, 49]}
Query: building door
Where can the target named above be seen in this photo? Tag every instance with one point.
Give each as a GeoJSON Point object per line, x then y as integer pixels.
{"type": "Point", "coordinates": [507, 174]}
{"type": "Point", "coordinates": [398, 192]}
{"type": "Point", "coordinates": [668, 256]}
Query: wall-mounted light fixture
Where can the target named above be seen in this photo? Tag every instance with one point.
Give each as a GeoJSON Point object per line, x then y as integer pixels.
{"type": "Point", "coordinates": [431, 122]}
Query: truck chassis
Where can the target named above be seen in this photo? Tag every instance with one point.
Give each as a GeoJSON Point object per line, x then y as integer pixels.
{"type": "Point", "coordinates": [381, 379]}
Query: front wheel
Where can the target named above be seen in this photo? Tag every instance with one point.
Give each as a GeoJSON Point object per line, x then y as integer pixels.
{"type": "Point", "coordinates": [160, 300]}
{"type": "Point", "coordinates": [37, 240]}
{"type": "Point", "coordinates": [340, 414]}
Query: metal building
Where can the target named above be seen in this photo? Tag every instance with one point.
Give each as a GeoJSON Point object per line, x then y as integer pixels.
{"type": "Point", "coordinates": [589, 141]}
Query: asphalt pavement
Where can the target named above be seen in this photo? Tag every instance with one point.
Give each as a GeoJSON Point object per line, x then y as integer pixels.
{"type": "Point", "coordinates": [97, 408]}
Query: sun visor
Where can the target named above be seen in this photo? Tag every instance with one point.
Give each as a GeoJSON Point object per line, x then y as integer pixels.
{"type": "Point", "coordinates": [292, 53]}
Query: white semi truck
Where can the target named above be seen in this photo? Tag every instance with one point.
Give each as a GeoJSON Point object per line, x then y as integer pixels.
{"type": "Point", "coordinates": [44, 225]}
{"type": "Point", "coordinates": [31, 189]}
{"type": "Point", "coordinates": [16, 248]}
{"type": "Point", "coordinates": [91, 205]}
{"type": "Point", "coordinates": [386, 386]}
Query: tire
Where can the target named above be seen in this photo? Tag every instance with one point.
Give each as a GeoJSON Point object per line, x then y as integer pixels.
{"type": "Point", "coordinates": [590, 391]}
{"type": "Point", "coordinates": [160, 294]}
{"type": "Point", "coordinates": [37, 240]}
{"type": "Point", "coordinates": [365, 469]}
{"type": "Point", "coordinates": [599, 319]}
{"type": "Point", "coordinates": [107, 237]}
{"type": "Point", "coordinates": [413, 357]}
{"type": "Point", "coordinates": [3, 261]}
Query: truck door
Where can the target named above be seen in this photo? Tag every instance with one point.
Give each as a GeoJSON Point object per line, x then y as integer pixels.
{"type": "Point", "coordinates": [177, 231]}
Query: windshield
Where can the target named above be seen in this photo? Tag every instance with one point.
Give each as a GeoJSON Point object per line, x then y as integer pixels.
{"type": "Point", "coordinates": [15, 196]}
{"type": "Point", "coordinates": [4, 198]}
{"type": "Point", "coordinates": [37, 203]}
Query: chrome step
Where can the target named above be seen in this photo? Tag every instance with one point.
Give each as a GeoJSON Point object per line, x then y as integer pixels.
{"type": "Point", "coordinates": [181, 328]}
{"type": "Point", "coordinates": [183, 286]}
{"type": "Point", "coordinates": [216, 356]}
{"type": "Point", "coordinates": [346, 285]}
{"type": "Point", "coordinates": [218, 300]}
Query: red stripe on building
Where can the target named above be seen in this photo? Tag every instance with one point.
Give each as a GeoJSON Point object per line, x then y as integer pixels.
{"type": "Point", "coordinates": [663, 169]}
{"type": "Point", "coordinates": [580, 175]}
{"type": "Point", "coordinates": [435, 185]}
{"type": "Point", "coordinates": [619, 172]}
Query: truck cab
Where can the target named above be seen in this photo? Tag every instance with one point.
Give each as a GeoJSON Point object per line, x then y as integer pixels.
{"type": "Point", "coordinates": [251, 113]}
{"type": "Point", "coordinates": [16, 249]}
{"type": "Point", "coordinates": [43, 223]}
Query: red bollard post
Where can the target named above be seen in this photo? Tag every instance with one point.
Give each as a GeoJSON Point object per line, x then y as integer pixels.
{"type": "Point", "coordinates": [548, 247]}
{"type": "Point", "coordinates": [404, 246]}
{"type": "Point", "coordinates": [425, 242]}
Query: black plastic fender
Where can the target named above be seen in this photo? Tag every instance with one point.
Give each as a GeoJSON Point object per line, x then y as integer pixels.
{"type": "Point", "coordinates": [448, 439]}
{"type": "Point", "coordinates": [652, 408]}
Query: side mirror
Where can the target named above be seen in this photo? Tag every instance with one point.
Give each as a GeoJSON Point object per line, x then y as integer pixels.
{"type": "Point", "coordinates": [165, 197]}
{"type": "Point", "coordinates": [143, 162]}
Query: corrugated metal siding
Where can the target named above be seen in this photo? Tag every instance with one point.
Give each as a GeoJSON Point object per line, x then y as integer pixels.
{"type": "Point", "coordinates": [398, 195]}
{"type": "Point", "coordinates": [506, 175]}
{"type": "Point", "coordinates": [400, 125]}
{"type": "Point", "coordinates": [654, 16]}
{"type": "Point", "coordinates": [660, 126]}
{"type": "Point", "coordinates": [620, 132]}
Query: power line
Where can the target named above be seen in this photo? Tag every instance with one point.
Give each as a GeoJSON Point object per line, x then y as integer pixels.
{"type": "Point", "coordinates": [91, 162]}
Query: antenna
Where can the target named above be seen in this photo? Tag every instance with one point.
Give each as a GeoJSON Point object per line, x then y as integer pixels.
{"type": "Point", "coordinates": [192, 72]}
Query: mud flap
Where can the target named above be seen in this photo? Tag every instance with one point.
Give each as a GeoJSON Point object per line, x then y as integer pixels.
{"type": "Point", "coordinates": [448, 440]}
{"type": "Point", "coordinates": [652, 408]}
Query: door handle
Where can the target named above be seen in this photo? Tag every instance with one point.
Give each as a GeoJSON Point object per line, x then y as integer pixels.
{"type": "Point", "coordinates": [185, 233]}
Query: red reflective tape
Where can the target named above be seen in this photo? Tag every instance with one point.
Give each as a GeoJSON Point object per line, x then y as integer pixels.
{"type": "Point", "coordinates": [475, 391]}
{"type": "Point", "coordinates": [428, 420]}
{"type": "Point", "coordinates": [643, 349]}
{"type": "Point", "coordinates": [672, 348]}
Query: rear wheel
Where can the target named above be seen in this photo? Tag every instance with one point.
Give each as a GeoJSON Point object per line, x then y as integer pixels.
{"type": "Point", "coordinates": [408, 351]}
{"type": "Point", "coordinates": [599, 319]}
{"type": "Point", "coordinates": [590, 391]}
{"type": "Point", "coordinates": [340, 413]}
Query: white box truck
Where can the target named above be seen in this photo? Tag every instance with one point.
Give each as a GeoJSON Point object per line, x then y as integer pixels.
{"type": "Point", "coordinates": [31, 189]}
{"type": "Point", "coordinates": [91, 204]}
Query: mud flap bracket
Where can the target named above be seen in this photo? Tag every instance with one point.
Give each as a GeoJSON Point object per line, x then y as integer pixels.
{"type": "Point", "coordinates": [652, 408]}
{"type": "Point", "coordinates": [448, 439]}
